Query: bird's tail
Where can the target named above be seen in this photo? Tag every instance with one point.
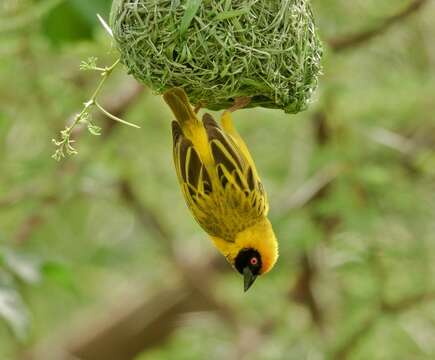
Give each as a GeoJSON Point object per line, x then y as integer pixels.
{"type": "Point", "coordinates": [178, 101]}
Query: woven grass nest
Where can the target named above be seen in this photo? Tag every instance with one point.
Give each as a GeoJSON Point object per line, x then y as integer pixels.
{"type": "Point", "coordinates": [218, 50]}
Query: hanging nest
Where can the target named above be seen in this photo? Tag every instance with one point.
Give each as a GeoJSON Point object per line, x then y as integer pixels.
{"type": "Point", "coordinates": [220, 50]}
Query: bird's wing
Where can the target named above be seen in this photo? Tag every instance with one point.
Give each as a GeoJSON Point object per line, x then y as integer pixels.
{"type": "Point", "coordinates": [230, 130]}
{"type": "Point", "coordinates": [228, 126]}
{"type": "Point", "coordinates": [191, 172]}
{"type": "Point", "coordinates": [225, 198]}
{"type": "Point", "coordinates": [195, 181]}
{"type": "Point", "coordinates": [237, 176]}
{"type": "Point", "coordinates": [229, 162]}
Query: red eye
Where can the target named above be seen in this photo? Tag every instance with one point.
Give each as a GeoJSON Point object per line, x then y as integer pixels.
{"type": "Point", "coordinates": [254, 261]}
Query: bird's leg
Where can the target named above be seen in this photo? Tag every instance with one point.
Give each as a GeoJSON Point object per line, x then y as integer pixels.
{"type": "Point", "coordinates": [226, 119]}
{"type": "Point", "coordinates": [239, 103]}
{"type": "Point", "coordinates": [197, 107]}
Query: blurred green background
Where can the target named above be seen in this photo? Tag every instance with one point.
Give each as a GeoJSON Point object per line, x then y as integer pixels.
{"type": "Point", "coordinates": [100, 259]}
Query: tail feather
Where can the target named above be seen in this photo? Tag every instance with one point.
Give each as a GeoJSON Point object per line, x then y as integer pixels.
{"type": "Point", "coordinates": [178, 101]}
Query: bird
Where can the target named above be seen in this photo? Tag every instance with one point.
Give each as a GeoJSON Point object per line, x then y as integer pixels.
{"type": "Point", "coordinates": [222, 188]}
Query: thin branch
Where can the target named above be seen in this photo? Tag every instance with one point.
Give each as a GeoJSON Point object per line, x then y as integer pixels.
{"type": "Point", "coordinates": [342, 353]}
{"type": "Point", "coordinates": [392, 140]}
{"type": "Point", "coordinates": [407, 303]}
{"type": "Point", "coordinates": [116, 104]}
{"type": "Point", "coordinates": [147, 217]}
{"type": "Point", "coordinates": [105, 25]}
{"type": "Point", "coordinates": [354, 40]}
{"type": "Point", "coordinates": [302, 292]}
{"type": "Point", "coordinates": [65, 144]}
{"type": "Point", "coordinates": [314, 190]}
{"type": "Point", "coordinates": [113, 117]}
{"type": "Point", "coordinates": [311, 188]}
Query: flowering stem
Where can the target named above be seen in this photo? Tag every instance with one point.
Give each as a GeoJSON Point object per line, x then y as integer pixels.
{"type": "Point", "coordinates": [64, 145]}
{"type": "Point", "coordinates": [105, 73]}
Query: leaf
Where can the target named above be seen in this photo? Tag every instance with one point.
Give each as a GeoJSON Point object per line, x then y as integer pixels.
{"type": "Point", "coordinates": [192, 7]}
{"type": "Point", "coordinates": [59, 273]}
{"type": "Point", "coordinates": [90, 9]}
{"type": "Point", "coordinates": [14, 312]}
{"type": "Point", "coordinates": [94, 129]}
{"type": "Point", "coordinates": [230, 14]}
{"type": "Point", "coordinates": [89, 64]}
{"type": "Point", "coordinates": [65, 24]}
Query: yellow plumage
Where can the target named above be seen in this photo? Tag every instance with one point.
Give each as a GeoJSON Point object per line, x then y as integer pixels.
{"type": "Point", "coordinates": [221, 187]}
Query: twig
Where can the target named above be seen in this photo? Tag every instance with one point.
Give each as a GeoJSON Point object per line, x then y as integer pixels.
{"type": "Point", "coordinates": [342, 352]}
{"type": "Point", "coordinates": [407, 303]}
{"type": "Point", "coordinates": [354, 40]}
{"type": "Point", "coordinates": [105, 25]}
{"type": "Point", "coordinates": [113, 117]}
{"type": "Point", "coordinates": [392, 140]}
{"type": "Point", "coordinates": [147, 217]}
{"type": "Point", "coordinates": [311, 188]}
{"type": "Point", "coordinates": [315, 189]}
{"type": "Point", "coordinates": [302, 292]}
{"type": "Point", "coordinates": [65, 143]}
{"type": "Point", "coordinates": [17, 197]}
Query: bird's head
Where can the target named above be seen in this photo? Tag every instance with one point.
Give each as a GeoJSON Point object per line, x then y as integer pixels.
{"type": "Point", "coordinates": [256, 252]}
{"type": "Point", "coordinates": [253, 252]}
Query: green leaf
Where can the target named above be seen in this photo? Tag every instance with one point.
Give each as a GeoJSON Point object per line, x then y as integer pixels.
{"type": "Point", "coordinates": [230, 14]}
{"type": "Point", "coordinates": [192, 7]}
{"type": "Point", "coordinates": [66, 24]}
{"type": "Point", "coordinates": [90, 9]}
{"type": "Point", "coordinates": [59, 273]}
{"type": "Point", "coordinates": [94, 129]}
{"type": "Point", "coordinates": [89, 64]}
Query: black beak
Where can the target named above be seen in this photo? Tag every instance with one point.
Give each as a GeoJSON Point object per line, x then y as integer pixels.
{"type": "Point", "coordinates": [248, 278]}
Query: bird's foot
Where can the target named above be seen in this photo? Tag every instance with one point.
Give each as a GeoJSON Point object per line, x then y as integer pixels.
{"type": "Point", "coordinates": [198, 107]}
{"type": "Point", "coordinates": [240, 103]}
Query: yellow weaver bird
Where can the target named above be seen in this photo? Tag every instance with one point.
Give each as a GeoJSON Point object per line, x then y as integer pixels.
{"type": "Point", "coordinates": [221, 187]}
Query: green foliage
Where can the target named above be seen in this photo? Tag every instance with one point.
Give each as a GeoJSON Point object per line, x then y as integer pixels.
{"type": "Point", "coordinates": [73, 20]}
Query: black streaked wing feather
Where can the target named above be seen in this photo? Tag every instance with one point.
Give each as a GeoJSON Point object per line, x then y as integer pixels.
{"type": "Point", "coordinates": [250, 178]}
{"type": "Point", "coordinates": [225, 154]}
{"type": "Point", "coordinates": [190, 169]}
{"type": "Point", "coordinates": [214, 132]}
